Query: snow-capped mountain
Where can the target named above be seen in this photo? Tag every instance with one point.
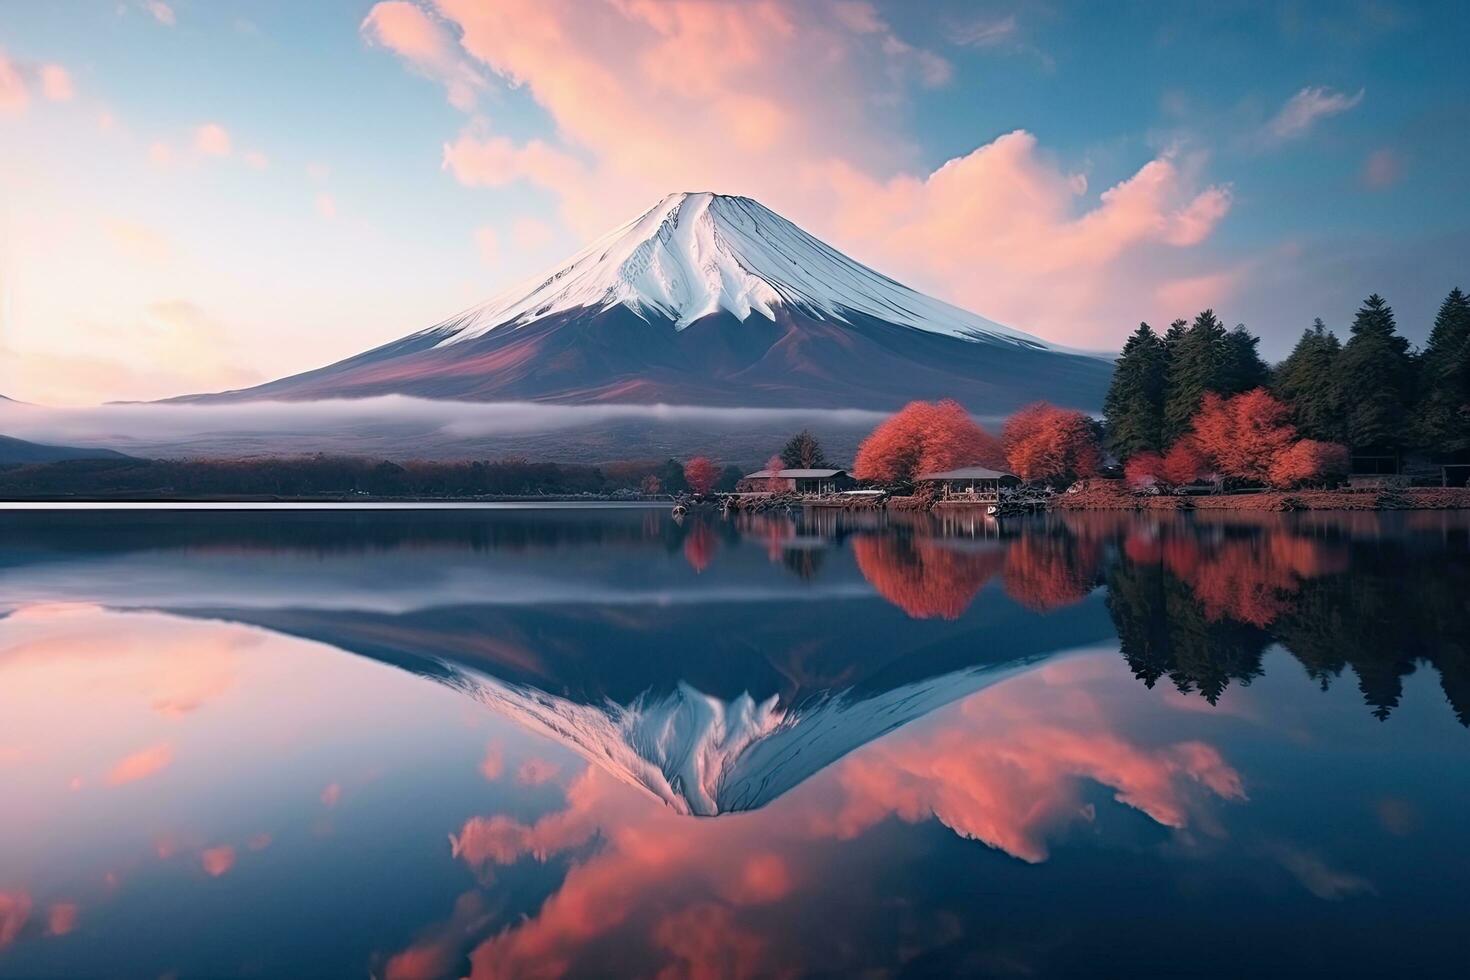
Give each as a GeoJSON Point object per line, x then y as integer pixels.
{"type": "Point", "coordinates": [707, 299]}
{"type": "Point", "coordinates": [696, 255]}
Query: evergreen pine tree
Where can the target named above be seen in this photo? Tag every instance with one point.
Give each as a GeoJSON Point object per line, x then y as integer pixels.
{"type": "Point", "coordinates": [1305, 381]}
{"type": "Point", "coordinates": [803, 451]}
{"type": "Point", "coordinates": [1134, 408]}
{"type": "Point", "coordinates": [1243, 369]}
{"type": "Point", "coordinates": [1372, 378]}
{"type": "Point", "coordinates": [1442, 416]}
{"type": "Point", "coordinates": [1196, 365]}
{"type": "Point", "coordinates": [1174, 336]}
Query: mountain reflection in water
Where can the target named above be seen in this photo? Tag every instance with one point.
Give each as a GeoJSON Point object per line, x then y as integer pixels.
{"type": "Point", "coordinates": [1062, 693]}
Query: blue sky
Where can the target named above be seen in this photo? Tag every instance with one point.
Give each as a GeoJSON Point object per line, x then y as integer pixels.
{"type": "Point", "coordinates": [202, 195]}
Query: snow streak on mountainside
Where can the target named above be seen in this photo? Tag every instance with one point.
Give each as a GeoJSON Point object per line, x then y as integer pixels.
{"type": "Point", "coordinates": [693, 255]}
{"type": "Point", "coordinates": [704, 756]}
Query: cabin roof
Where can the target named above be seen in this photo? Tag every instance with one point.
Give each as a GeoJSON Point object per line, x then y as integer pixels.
{"type": "Point", "coordinates": [969, 473]}
{"type": "Point", "coordinates": [795, 474]}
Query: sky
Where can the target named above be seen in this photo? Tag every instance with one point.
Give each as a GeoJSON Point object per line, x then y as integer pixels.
{"type": "Point", "coordinates": [205, 195]}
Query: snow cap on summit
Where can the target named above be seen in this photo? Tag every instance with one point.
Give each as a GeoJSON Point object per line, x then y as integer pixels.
{"type": "Point", "coordinates": [698, 253]}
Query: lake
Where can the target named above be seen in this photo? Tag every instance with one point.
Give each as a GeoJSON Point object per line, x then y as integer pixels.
{"type": "Point", "coordinates": [597, 741]}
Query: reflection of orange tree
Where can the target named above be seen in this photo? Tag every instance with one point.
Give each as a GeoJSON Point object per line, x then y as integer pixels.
{"type": "Point", "coordinates": [923, 577]}
{"type": "Point", "coordinates": [775, 530]}
{"type": "Point", "coordinates": [1201, 607]}
{"type": "Point", "coordinates": [930, 577]}
{"type": "Point", "coordinates": [1047, 571]}
{"type": "Point", "coordinates": [700, 545]}
{"type": "Point", "coordinates": [1194, 605]}
{"type": "Point", "coordinates": [1251, 579]}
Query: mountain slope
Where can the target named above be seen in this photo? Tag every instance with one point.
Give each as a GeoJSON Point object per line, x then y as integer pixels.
{"type": "Point", "coordinates": [20, 451]}
{"type": "Point", "coordinates": [712, 300]}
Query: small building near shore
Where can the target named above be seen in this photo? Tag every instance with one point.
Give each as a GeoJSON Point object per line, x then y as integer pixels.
{"type": "Point", "coordinates": [796, 480]}
{"type": "Point", "coordinates": [970, 481]}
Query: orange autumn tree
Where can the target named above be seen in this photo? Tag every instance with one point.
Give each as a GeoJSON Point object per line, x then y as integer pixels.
{"type": "Point", "coordinates": [1309, 461]}
{"type": "Point", "coordinates": [701, 474]}
{"type": "Point", "coordinates": [925, 437]}
{"type": "Point", "coordinates": [1183, 463]}
{"type": "Point", "coordinates": [1144, 469]}
{"type": "Point", "coordinates": [1244, 435]}
{"type": "Point", "coordinates": [1043, 442]}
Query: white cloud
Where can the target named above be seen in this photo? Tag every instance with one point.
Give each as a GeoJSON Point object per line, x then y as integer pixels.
{"type": "Point", "coordinates": [1302, 111]}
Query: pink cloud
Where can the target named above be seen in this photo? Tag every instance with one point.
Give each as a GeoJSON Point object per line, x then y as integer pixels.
{"type": "Point", "coordinates": [1383, 168]}
{"type": "Point", "coordinates": [160, 154]}
{"type": "Point", "coordinates": [535, 771]}
{"type": "Point", "coordinates": [140, 765]}
{"type": "Point", "coordinates": [326, 206]}
{"type": "Point", "coordinates": [425, 44]}
{"type": "Point", "coordinates": [332, 794]}
{"type": "Point", "coordinates": [14, 96]}
{"type": "Point", "coordinates": [777, 101]}
{"type": "Point", "coordinates": [16, 80]}
{"type": "Point", "coordinates": [1196, 292]}
{"type": "Point", "coordinates": [497, 161]}
{"type": "Point", "coordinates": [493, 765]}
{"type": "Point", "coordinates": [212, 140]}
{"type": "Point", "coordinates": [56, 83]}
{"type": "Point", "coordinates": [61, 918]}
{"type": "Point", "coordinates": [531, 235]}
{"type": "Point", "coordinates": [160, 12]}
{"type": "Point", "coordinates": [1004, 231]}
{"type": "Point", "coordinates": [15, 911]}
{"type": "Point", "coordinates": [217, 861]}
{"type": "Point", "coordinates": [257, 160]}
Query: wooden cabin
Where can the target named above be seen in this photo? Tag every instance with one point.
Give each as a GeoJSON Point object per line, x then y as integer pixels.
{"type": "Point", "coordinates": [796, 480]}
{"type": "Point", "coordinates": [975, 482]}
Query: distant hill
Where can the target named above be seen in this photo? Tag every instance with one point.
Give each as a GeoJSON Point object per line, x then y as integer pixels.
{"type": "Point", "coordinates": [20, 451]}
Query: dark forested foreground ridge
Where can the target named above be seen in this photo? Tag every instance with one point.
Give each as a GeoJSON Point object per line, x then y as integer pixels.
{"type": "Point", "coordinates": [1200, 399]}
{"type": "Point", "coordinates": [343, 477]}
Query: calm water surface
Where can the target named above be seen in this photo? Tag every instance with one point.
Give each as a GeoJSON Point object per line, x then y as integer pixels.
{"type": "Point", "coordinates": [586, 742]}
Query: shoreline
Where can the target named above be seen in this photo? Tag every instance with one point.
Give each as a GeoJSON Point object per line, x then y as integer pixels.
{"type": "Point", "coordinates": [1271, 501]}
{"type": "Point", "coordinates": [332, 503]}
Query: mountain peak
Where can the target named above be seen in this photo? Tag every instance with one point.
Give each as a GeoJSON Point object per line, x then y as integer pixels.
{"type": "Point", "coordinates": [710, 299]}
{"type": "Point", "coordinates": [696, 253]}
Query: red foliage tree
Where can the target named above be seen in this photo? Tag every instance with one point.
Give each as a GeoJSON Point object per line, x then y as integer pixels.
{"type": "Point", "coordinates": [925, 437]}
{"type": "Point", "coordinates": [701, 474]}
{"type": "Point", "coordinates": [1144, 470]}
{"type": "Point", "coordinates": [1308, 461]}
{"type": "Point", "coordinates": [1243, 435]}
{"type": "Point", "coordinates": [1043, 442]}
{"type": "Point", "coordinates": [1183, 464]}
{"type": "Point", "coordinates": [774, 465]}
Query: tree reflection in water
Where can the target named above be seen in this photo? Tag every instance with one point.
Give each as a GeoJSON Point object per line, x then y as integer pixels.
{"type": "Point", "coordinates": [1198, 599]}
